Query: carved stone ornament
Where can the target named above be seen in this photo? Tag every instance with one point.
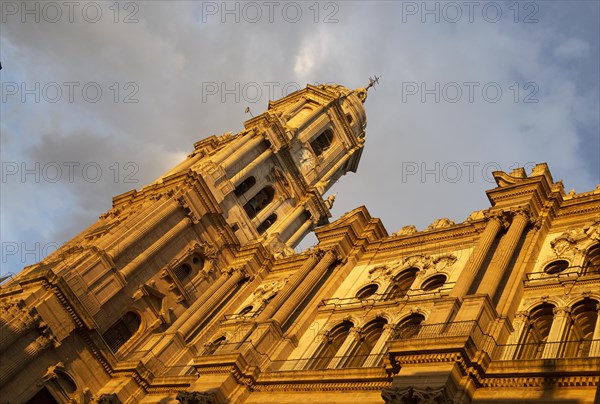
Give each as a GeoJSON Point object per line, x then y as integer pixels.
{"type": "Point", "coordinates": [380, 272]}
{"type": "Point", "coordinates": [410, 394]}
{"type": "Point", "coordinates": [440, 224]}
{"type": "Point", "coordinates": [563, 245]}
{"type": "Point", "coordinates": [406, 231]}
{"type": "Point", "coordinates": [266, 290]}
{"type": "Point", "coordinates": [566, 243]}
{"type": "Point", "coordinates": [443, 261]}
{"type": "Point", "coordinates": [278, 248]}
{"type": "Point", "coordinates": [593, 231]}
{"type": "Point", "coordinates": [195, 397]}
{"type": "Point", "coordinates": [419, 261]}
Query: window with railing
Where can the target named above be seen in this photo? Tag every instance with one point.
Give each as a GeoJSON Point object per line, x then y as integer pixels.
{"type": "Point", "coordinates": [580, 330]}
{"type": "Point", "coordinates": [536, 333]}
{"type": "Point", "coordinates": [402, 282]}
{"type": "Point", "coordinates": [331, 345]}
{"type": "Point", "coordinates": [409, 327]}
{"type": "Point", "coordinates": [370, 334]}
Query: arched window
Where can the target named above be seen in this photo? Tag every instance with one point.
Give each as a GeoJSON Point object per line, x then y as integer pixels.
{"type": "Point", "coordinates": [244, 186]}
{"type": "Point", "coordinates": [556, 267]}
{"type": "Point", "coordinates": [198, 261]}
{"type": "Point", "coordinates": [592, 260]}
{"type": "Point", "coordinates": [584, 317]}
{"type": "Point", "coordinates": [322, 142]}
{"type": "Point", "coordinates": [534, 340]}
{"type": "Point", "coordinates": [214, 346]}
{"type": "Point", "coordinates": [370, 335]}
{"type": "Point", "coordinates": [367, 291]}
{"type": "Point", "coordinates": [266, 224]}
{"type": "Point", "coordinates": [121, 331]}
{"type": "Point", "coordinates": [402, 282]}
{"type": "Point", "coordinates": [182, 272]}
{"type": "Point", "coordinates": [434, 282]}
{"type": "Point", "coordinates": [333, 342]}
{"type": "Point", "coordinates": [259, 201]}
{"type": "Point", "coordinates": [245, 310]}
{"type": "Point", "coordinates": [409, 327]}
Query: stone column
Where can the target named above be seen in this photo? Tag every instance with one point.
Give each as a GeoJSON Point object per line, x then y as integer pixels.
{"type": "Point", "coordinates": [300, 233]}
{"type": "Point", "coordinates": [377, 352]}
{"type": "Point", "coordinates": [231, 162]}
{"type": "Point", "coordinates": [10, 311]}
{"type": "Point", "coordinates": [295, 280]}
{"type": "Point", "coordinates": [595, 346]}
{"type": "Point", "coordinates": [560, 322]}
{"type": "Point", "coordinates": [15, 328]}
{"type": "Point", "coordinates": [245, 171]}
{"type": "Point", "coordinates": [303, 288]}
{"type": "Point", "coordinates": [290, 218]}
{"type": "Point", "coordinates": [327, 177]}
{"type": "Point", "coordinates": [232, 146]}
{"type": "Point", "coordinates": [491, 280]}
{"type": "Point", "coordinates": [143, 258]}
{"type": "Point", "coordinates": [142, 228]}
{"type": "Point", "coordinates": [268, 210]}
{"type": "Point", "coordinates": [289, 112]}
{"type": "Point", "coordinates": [520, 323]}
{"type": "Point", "coordinates": [211, 302]}
{"type": "Point", "coordinates": [11, 365]}
{"type": "Point", "coordinates": [197, 304]}
{"type": "Point", "coordinates": [354, 338]}
{"type": "Point", "coordinates": [473, 265]}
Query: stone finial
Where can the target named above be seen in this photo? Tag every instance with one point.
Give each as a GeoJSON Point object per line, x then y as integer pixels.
{"type": "Point", "coordinates": [330, 200]}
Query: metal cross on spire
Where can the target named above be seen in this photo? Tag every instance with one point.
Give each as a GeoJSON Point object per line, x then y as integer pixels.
{"type": "Point", "coordinates": [373, 82]}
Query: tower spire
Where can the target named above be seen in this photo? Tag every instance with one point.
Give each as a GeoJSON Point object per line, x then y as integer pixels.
{"type": "Point", "coordinates": [373, 81]}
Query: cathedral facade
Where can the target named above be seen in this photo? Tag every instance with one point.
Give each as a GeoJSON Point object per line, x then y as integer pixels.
{"type": "Point", "coordinates": [189, 290]}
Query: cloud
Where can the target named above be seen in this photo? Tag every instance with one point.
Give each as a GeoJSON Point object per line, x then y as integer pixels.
{"type": "Point", "coordinates": [177, 51]}
{"type": "Point", "coordinates": [572, 48]}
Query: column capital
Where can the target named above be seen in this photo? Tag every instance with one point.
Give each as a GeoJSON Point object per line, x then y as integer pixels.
{"type": "Point", "coordinates": [561, 311]}
{"type": "Point", "coordinates": [389, 327]}
{"type": "Point", "coordinates": [527, 213]}
{"type": "Point", "coordinates": [497, 215]}
{"type": "Point", "coordinates": [522, 316]}
{"type": "Point", "coordinates": [356, 332]}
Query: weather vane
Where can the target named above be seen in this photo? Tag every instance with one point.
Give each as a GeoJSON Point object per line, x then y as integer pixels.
{"type": "Point", "coordinates": [373, 82]}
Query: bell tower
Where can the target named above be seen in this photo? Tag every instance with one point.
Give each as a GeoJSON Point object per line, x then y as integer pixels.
{"type": "Point", "coordinates": [136, 287]}
{"type": "Point", "coordinates": [269, 179]}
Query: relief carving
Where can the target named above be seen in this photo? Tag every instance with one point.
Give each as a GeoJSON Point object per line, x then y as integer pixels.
{"type": "Point", "coordinates": [443, 261]}
{"type": "Point", "coordinates": [406, 231]}
{"type": "Point", "coordinates": [440, 224]}
{"type": "Point", "coordinates": [411, 394]}
{"type": "Point", "coordinates": [382, 272]}
{"type": "Point", "coordinates": [266, 291]}
{"type": "Point", "coordinates": [566, 243]}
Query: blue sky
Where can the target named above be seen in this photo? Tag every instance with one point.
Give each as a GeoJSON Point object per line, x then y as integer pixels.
{"type": "Point", "coordinates": [98, 100]}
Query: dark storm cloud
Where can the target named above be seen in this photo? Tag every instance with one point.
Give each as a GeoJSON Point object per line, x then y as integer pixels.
{"type": "Point", "coordinates": [193, 76]}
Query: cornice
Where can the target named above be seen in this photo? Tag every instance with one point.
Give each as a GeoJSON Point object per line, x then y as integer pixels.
{"type": "Point", "coordinates": [540, 381]}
